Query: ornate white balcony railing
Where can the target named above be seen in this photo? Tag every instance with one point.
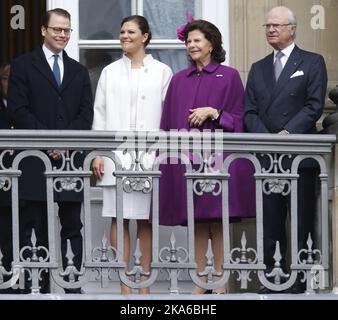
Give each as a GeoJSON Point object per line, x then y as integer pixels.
{"type": "Point", "coordinates": [313, 263]}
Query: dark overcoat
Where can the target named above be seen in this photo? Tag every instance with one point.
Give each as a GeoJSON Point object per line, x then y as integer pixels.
{"type": "Point", "coordinates": [294, 103]}
{"type": "Point", "coordinates": [5, 123]}
{"type": "Point", "coordinates": [36, 102]}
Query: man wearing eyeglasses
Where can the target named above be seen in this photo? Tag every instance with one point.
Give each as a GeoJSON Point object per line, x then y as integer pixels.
{"type": "Point", "coordinates": [49, 90]}
{"type": "Point", "coordinates": [285, 94]}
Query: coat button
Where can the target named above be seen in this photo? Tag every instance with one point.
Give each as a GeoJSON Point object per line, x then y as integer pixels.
{"type": "Point", "coordinates": [59, 117]}
{"type": "Point", "coordinates": [143, 97]}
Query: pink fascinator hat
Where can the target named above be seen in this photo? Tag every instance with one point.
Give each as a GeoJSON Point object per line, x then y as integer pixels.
{"type": "Point", "coordinates": [180, 30]}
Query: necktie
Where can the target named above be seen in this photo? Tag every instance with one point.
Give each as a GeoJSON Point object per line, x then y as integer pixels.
{"type": "Point", "coordinates": [56, 70]}
{"type": "Point", "coordinates": [278, 67]}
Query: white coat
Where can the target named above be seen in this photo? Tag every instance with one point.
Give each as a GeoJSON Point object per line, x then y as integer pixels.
{"type": "Point", "coordinates": [112, 101]}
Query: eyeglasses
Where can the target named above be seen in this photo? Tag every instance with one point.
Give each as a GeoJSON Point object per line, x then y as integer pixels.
{"type": "Point", "coordinates": [275, 26]}
{"type": "Point", "coordinates": [56, 30]}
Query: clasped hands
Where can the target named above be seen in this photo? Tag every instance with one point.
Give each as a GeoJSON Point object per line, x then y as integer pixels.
{"type": "Point", "coordinates": [198, 116]}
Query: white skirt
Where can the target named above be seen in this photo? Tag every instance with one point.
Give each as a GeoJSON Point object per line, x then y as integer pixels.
{"type": "Point", "coordinates": [136, 205]}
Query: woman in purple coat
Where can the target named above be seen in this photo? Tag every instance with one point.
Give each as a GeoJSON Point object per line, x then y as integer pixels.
{"type": "Point", "coordinates": [205, 96]}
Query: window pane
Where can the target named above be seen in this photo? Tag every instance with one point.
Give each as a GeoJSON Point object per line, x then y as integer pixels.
{"type": "Point", "coordinates": [165, 16]}
{"type": "Point", "coordinates": [96, 59]}
{"type": "Point", "coordinates": [176, 59]}
{"type": "Point", "coordinates": [100, 19]}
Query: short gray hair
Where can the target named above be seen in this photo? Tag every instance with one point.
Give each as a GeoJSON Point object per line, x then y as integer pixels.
{"type": "Point", "coordinates": [292, 16]}
{"type": "Point", "coordinates": [292, 20]}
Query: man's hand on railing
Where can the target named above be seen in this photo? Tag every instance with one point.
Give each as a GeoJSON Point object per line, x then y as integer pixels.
{"type": "Point", "coordinates": [98, 167]}
{"type": "Point", "coordinates": [284, 132]}
{"type": "Point", "coordinates": [55, 154]}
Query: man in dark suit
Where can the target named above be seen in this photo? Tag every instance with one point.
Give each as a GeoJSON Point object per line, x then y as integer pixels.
{"type": "Point", "coordinates": [5, 196]}
{"type": "Point", "coordinates": [285, 94]}
{"type": "Point", "coordinates": [49, 90]}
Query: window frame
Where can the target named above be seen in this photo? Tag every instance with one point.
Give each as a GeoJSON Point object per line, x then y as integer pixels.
{"type": "Point", "coordinates": [215, 11]}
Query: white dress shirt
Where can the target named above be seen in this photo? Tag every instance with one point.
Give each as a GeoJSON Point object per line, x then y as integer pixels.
{"type": "Point", "coordinates": [286, 54]}
{"type": "Point", "coordinates": [50, 59]}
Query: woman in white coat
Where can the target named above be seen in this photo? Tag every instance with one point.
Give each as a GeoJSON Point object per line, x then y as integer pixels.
{"type": "Point", "coordinates": [129, 96]}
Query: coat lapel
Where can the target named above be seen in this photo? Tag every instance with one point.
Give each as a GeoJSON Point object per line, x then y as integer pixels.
{"type": "Point", "coordinates": [291, 66]}
{"type": "Point", "coordinates": [268, 80]}
{"type": "Point", "coordinates": [69, 71]}
{"type": "Point", "coordinates": [268, 73]}
{"type": "Point", "coordinates": [40, 63]}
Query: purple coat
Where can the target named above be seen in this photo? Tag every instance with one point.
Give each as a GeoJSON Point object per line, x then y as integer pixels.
{"type": "Point", "coordinates": [219, 87]}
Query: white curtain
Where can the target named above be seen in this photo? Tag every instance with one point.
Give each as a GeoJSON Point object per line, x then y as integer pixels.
{"type": "Point", "coordinates": [165, 16]}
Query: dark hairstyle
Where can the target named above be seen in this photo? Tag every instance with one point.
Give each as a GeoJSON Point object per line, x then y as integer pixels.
{"type": "Point", "coordinates": [4, 66]}
{"type": "Point", "coordinates": [142, 24]}
{"type": "Point", "coordinates": [58, 11]}
{"type": "Point", "coordinates": [211, 33]}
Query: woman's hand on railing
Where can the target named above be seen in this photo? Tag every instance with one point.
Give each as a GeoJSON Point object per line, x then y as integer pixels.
{"type": "Point", "coordinates": [98, 167]}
